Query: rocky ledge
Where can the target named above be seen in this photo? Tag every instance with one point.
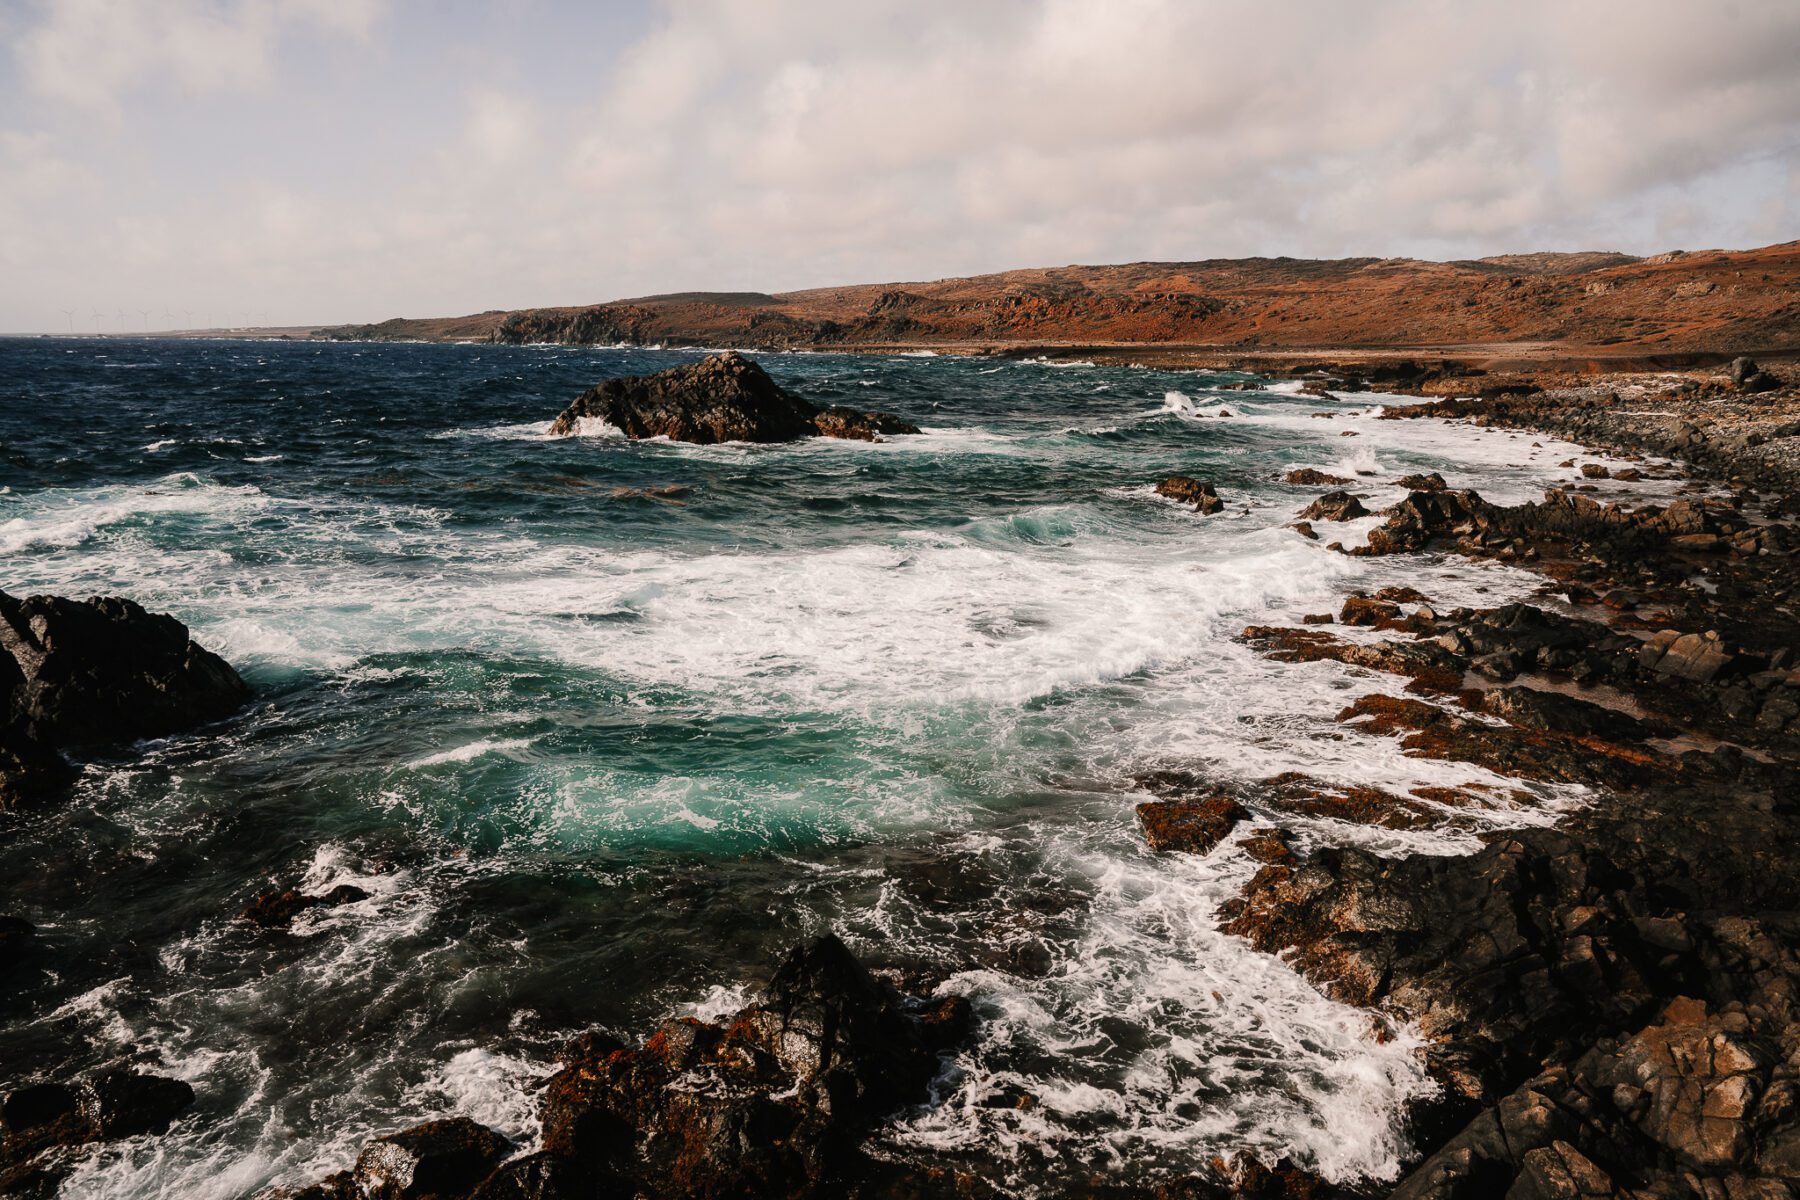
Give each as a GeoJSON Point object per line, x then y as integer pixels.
{"type": "Point", "coordinates": [1613, 1003]}
{"type": "Point", "coordinates": [79, 675]}
{"type": "Point", "coordinates": [722, 398]}
{"type": "Point", "coordinates": [775, 1100]}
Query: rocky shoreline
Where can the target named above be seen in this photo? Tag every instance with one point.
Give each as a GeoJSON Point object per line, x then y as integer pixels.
{"type": "Point", "coordinates": [1612, 1003]}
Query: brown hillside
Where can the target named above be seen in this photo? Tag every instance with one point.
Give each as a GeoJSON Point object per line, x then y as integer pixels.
{"type": "Point", "coordinates": [1593, 304]}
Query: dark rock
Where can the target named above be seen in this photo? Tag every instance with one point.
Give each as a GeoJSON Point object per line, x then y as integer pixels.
{"type": "Point", "coordinates": [774, 1101]}
{"type": "Point", "coordinates": [277, 909]}
{"type": "Point", "coordinates": [112, 1105]}
{"type": "Point", "coordinates": [545, 1176]}
{"type": "Point", "coordinates": [103, 671]}
{"type": "Point", "coordinates": [1364, 610]}
{"type": "Point", "coordinates": [437, 1159]}
{"type": "Point", "coordinates": [1556, 712]}
{"type": "Point", "coordinates": [1202, 495]}
{"type": "Point", "coordinates": [723, 398]}
{"type": "Point", "coordinates": [1429, 482]}
{"type": "Point", "coordinates": [1334, 506]}
{"type": "Point", "coordinates": [17, 939]}
{"type": "Point", "coordinates": [1308, 477]}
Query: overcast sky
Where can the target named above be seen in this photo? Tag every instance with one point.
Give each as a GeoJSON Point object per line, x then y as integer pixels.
{"type": "Point", "coordinates": [295, 161]}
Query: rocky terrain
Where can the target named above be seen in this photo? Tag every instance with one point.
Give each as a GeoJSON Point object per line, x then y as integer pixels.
{"type": "Point", "coordinates": [1593, 310]}
{"type": "Point", "coordinates": [722, 398]}
{"type": "Point", "coordinates": [1610, 1002]}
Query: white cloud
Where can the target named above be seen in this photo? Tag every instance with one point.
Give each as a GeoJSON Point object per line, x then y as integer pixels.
{"type": "Point", "coordinates": [798, 142]}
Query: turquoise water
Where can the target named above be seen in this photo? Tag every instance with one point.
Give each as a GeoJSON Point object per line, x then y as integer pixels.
{"type": "Point", "coordinates": [600, 750]}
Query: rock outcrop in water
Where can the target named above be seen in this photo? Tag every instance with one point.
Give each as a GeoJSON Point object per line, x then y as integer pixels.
{"type": "Point", "coordinates": [87, 674]}
{"type": "Point", "coordinates": [723, 398]}
{"type": "Point", "coordinates": [43, 1126]}
{"type": "Point", "coordinates": [773, 1101]}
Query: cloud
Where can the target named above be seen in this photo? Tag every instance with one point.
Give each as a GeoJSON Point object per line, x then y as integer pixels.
{"type": "Point", "coordinates": [797, 142]}
{"type": "Point", "coordinates": [88, 53]}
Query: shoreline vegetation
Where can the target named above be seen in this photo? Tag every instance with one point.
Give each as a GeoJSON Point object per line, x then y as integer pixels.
{"type": "Point", "coordinates": [1611, 1003]}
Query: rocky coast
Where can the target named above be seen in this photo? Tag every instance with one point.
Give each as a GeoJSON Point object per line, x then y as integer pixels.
{"type": "Point", "coordinates": [1609, 1003]}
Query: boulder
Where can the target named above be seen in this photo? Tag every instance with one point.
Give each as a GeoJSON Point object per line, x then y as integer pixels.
{"type": "Point", "coordinates": [772, 1101]}
{"type": "Point", "coordinates": [1334, 506]}
{"type": "Point", "coordinates": [1428, 482]}
{"type": "Point", "coordinates": [1691, 656]}
{"type": "Point", "coordinates": [1202, 495]}
{"type": "Point", "coordinates": [722, 398]}
{"type": "Point", "coordinates": [114, 1104]}
{"type": "Point", "coordinates": [80, 674]}
{"type": "Point", "coordinates": [103, 671]}
{"type": "Point", "coordinates": [435, 1160]}
{"type": "Point", "coordinates": [1748, 377]}
{"type": "Point", "coordinates": [1308, 477]}
{"type": "Point", "coordinates": [1193, 825]}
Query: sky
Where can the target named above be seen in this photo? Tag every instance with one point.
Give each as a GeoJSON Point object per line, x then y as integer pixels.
{"type": "Point", "coordinates": [176, 163]}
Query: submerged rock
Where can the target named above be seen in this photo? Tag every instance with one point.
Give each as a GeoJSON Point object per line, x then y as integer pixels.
{"type": "Point", "coordinates": [436, 1159]}
{"type": "Point", "coordinates": [88, 673]}
{"type": "Point", "coordinates": [723, 398]}
{"type": "Point", "coordinates": [1309, 477]}
{"type": "Point", "coordinates": [1191, 824]}
{"type": "Point", "coordinates": [277, 909]}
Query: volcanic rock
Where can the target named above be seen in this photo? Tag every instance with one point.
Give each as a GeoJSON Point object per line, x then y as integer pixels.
{"type": "Point", "coordinates": [1203, 496]}
{"type": "Point", "coordinates": [277, 909]}
{"type": "Point", "coordinates": [114, 1104]}
{"type": "Point", "coordinates": [1334, 506]}
{"type": "Point", "coordinates": [774, 1101]}
{"type": "Point", "coordinates": [1428, 482]}
{"type": "Point", "coordinates": [1191, 825]}
{"type": "Point", "coordinates": [1308, 477]}
{"type": "Point", "coordinates": [429, 1161]}
{"type": "Point", "coordinates": [91, 673]}
{"type": "Point", "coordinates": [723, 398]}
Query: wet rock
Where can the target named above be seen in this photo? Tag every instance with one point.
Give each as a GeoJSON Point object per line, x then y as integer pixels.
{"type": "Point", "coordinates": [1334, 506]}
{"type": "Point", "coordinates": [17, 939]}
{"type": "Point", "coordinates": [277, 909]}
{"type": "Point", "coordinates": [1595, 471]}
{"type": "Point", "coordinates": [30, 770]}
{"type": "Point", "coordinates": [1691, 656]}
{"type": "Point", "coordinates": [723, 398]}
{"type": "Point", "coordinates": [1309, 477]}
{"type": "Point", "coordinates": [545, 1176]}
{"type": "Point", "coordinates": [1429, 482]}
{"type": "Point", "coordinates": [435, 1160]}
{"type": "Point", "coordinates": [1365, 610]}
{"type": "Point", "coordinates": [1426, 663]}
{"type": "Point", "coordinates": [1193, 825]}
{"type": "Point", "coordinates": [114, 1104]}
{"type": "Point", "coordinates": [1305, 530]}
{"type": "Point", "coordinates": [1556, 712]}
{"type": "Point", "coordinates": [103, 671]}
{"type": "Point", "coordinates": [773, 1101]}
{"type": "Point", "coordinates": [1203, 496]}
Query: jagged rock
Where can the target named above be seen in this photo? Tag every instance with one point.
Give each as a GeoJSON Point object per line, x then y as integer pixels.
{"type": "Point", "coordinates": [112, 1105]}
{"type": "Point", "coordinates": [1309, 477]}
{"type": "Point", "coordinates": [438, 1159]}
{"type": "Point", "coordinates": [1427, 663]}
{"type": "Point", "coordinates": [1692, 656]}
{"type": "Point", "coordinates": [1203, 496]}
{"type": "Point", "coordinates": [1748, 377]}
{"type": "Point", "coordinates": [104, 671]}
{"type": "Point", "coordinates": [1431, 481]}
{"type": "Point", "coordinates": [1556, 712]}
{"type": "Point", "coordinates": [94, 673]}
{"type": "Point", "coordinates": [1365, 610]}
{"type": "Point", "coordinates": [774, 1101]}
{"type": "Point", "coordinates": [723, 398]}
{"type": "Point", "coordinates": [277, 909]}
{"type": "Point", "coordinates": [1334, 506]}
{"type": "Point", "coordinates": [1194, 825]}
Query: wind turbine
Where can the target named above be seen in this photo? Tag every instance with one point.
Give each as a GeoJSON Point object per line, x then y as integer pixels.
{"type": "Point", "coordinates": [121, 326]}
{"type": "Point", "coordinates": [69, 315]}
{"type": "Point", "coordinates": [98, 317]}
{"type": "Point", "coordinates": [145, 313]}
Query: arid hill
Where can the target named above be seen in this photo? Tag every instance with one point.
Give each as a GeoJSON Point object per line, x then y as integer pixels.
{"type": "Point", "coordinates": [1567, 306]}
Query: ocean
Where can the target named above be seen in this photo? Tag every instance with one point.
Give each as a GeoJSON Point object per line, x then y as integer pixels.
{"type": "Point", "coordinates": [604, 726]}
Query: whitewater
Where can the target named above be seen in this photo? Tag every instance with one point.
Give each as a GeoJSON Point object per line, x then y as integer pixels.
{"type": "Point", "coordinates": [603, 726]}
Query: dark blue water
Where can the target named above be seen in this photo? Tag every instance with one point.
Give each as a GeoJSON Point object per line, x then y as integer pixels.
{"type": "Point", "coordinates": [603, 726]}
